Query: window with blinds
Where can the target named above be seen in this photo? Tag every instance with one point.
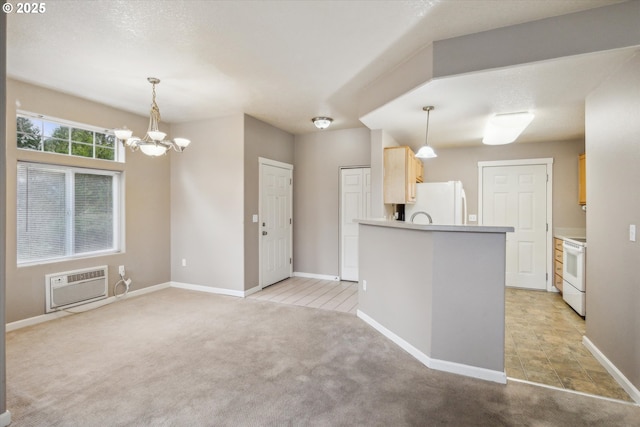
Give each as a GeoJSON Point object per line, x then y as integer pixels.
{"type": "Point", "coordinates": [66, 212]}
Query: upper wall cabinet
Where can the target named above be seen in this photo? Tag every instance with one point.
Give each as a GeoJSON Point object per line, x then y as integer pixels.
{"type": "Point", "coordinates": [400, 168]}
{"type": "Point", "coordinates": [582, 179]}
{"type": "Point", "coordinates": [419, 170]}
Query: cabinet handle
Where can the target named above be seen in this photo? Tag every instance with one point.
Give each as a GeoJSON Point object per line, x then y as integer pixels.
{"type": "Point", "coordinates": [264, 233]}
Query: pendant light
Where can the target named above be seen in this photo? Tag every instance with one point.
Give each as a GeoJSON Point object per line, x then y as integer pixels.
{"type": "Point", "coordinates": [426, 152]}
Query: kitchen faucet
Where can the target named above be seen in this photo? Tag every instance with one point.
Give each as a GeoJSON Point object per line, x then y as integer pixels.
{"type": "Point", "coordinates": [423, 213]}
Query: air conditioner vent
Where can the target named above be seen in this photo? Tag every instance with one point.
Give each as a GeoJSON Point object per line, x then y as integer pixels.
{"type": "Point", "coordinates": [72, 288]}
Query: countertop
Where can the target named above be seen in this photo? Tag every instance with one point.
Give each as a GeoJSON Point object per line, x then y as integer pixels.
{"type": "Point", "coordinates": [435, 227]}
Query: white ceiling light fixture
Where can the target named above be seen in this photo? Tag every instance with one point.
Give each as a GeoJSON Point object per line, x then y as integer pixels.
{"type": "Point", "coordinates": [426, 152]}
{"type": "Point", "coordinates": [506, 128]}
{"type": "Point", "coordinates": [153, 143]}
{"type": "Point", "coordinates": [322, 122]}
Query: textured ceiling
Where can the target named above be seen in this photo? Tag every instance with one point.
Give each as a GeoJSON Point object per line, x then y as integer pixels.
{"type": "Point", "coordinates": [280, 61]}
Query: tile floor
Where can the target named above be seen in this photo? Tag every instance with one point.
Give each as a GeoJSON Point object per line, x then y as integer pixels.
{"type": "Point", "coordinates": [543, 337]}
{"type": "Point", "coordinates": [323, 294]}
{"type": "Point", "coordinates": [543, 344]}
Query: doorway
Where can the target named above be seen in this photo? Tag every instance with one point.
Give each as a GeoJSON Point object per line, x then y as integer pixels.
{"type": "Point", "coordinates": [517, 193]}
{"type": "Point", "coordinates": [355, 202]}
{"type": "Point", "coordinates": [275, 207]}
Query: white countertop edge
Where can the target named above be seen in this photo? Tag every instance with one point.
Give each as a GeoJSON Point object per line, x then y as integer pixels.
{"type": "Point", "coordinates": [435, 227]}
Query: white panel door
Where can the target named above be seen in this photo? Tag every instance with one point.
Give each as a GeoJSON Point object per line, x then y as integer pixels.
{"type": "Point", "coordinates": [275, 227]}
{"type": "Point", "coordinates": [517, 196]}
{"type": "Point", "coordinates": [355, 204]}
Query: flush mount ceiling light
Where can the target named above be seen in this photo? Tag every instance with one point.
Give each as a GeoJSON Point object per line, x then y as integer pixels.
{"type": "Point", "coordinates": [153, 143]}
{"type": "Point", "coordinates": [322, 122]}
{"type": "Point", "coordinates": [426, 152]}
{"type": "Point", "coordinates": [505, 128]}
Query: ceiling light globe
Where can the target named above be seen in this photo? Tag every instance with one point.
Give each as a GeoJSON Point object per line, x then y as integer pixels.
{"type": "Point", "coordinates": [123, 134]}
{"type": "Point", "coordinates": [153, 150]}
{"type": "Point", "coordinates": [156, 135]}
{"type": "Point", "coordinates": [322, 122]}
{"type": "Point", "coordinates": [182, 142]}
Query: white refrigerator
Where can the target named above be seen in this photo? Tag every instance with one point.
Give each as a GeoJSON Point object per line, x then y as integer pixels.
{"type": "Point", "coordinates": [445, 202]}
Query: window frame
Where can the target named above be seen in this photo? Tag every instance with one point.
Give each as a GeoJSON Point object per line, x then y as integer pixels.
{"type": "Point", "coordinates": [119, 152]}
{"type": "Point", "coordinates": [69, 233]}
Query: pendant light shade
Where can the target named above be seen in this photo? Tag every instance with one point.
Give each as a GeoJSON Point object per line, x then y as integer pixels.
{"type": "Point", "coordinates": [426, 152]}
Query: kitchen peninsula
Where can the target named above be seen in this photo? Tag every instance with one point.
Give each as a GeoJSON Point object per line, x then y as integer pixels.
{"type": "Point", "coordinates": [438, 291]}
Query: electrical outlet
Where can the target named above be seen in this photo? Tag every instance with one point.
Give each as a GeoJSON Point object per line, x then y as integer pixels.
{"type": "Point", "coordinates": [121, 270]}
{"type": "Point", "coordinates": [184, 262]}
{"type": "Point", "coordinates": [632, 233]}
{"type": "Point", "coordinates": [254, 218]}
{"type": "Point", "coordinates": [364, 285]}
{"type": "Point", "coordinates": [473, 218]}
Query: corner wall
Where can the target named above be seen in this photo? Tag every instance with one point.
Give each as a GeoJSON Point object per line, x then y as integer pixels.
{"type": "Point", "coordinates": [316, 195]}
{"type": "Point", "coordinates": [146, 255]}
{"type": "Point", "coordinates": [613, 201]}
{"type": "Point", "coordinates": [260, 140]}
{"type": "Point", "coordinates": [207, 204]}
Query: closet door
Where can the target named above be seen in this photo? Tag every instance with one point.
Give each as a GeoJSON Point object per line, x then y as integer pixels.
{"type": "Point", "coordinates": [355, 203]}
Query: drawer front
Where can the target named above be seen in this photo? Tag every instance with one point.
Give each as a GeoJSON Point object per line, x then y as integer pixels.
{"type": "Point", "coordinates": [558, 244]}
{"type": "Point", "coordinates": [558, 255]}
{"type": "Point", "coordinates": [557, 282]}
{"type": "Point", "coordinates": [558, 268]}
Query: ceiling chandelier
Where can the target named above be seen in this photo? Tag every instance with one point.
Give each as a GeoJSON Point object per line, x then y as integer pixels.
{"type": "Point", "coordinates": [425, 151]}
{"type": "Point", "coordinates": [153, 143]}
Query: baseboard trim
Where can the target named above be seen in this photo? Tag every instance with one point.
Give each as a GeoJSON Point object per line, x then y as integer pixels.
{"type": "Point", "coordinates": [437, 364]}
{"type": "Point", "coordinates": [632, 390]}
{"type": "Point", "coordinates": [316, 276]}
{"type": "Point", "coordinates": [5, 419]}
{"type": "Point", "coordinates": [208, 289]}
{"type": "Point", "coordinates": [18, 324]}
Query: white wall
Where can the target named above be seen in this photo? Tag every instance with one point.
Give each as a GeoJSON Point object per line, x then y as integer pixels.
{"type": "Point", "coordinates": [207, 204]}
{"type": "Point", "coordinates": [613, 202]}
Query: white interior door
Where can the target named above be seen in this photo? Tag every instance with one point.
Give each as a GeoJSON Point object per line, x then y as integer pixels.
{"type": "Point", "coordinates": [275, 222]}
{"type": "Point", "coordinates": [355, 203]}
{"type": "Point", "coordinates": [517, 196]}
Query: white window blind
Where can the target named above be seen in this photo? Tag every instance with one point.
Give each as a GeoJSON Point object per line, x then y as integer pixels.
{"type": "Point", "coordinates": [66, 212]}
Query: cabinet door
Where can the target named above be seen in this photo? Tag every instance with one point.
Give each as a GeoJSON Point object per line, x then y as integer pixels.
{"type": "Point", "coordinates": [399, 181]}
{"type": "Point", "coordinates": [419, 170]}
{"type": "Point", "coordinates": [582, 179]}
{"type": "Point", "coordinates": [411, 176]}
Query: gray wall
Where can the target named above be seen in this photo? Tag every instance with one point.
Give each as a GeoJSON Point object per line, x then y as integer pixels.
{"type": "Point", "coordinates": [146, 257]}
{"type": "Point", "coordinates": [316, 195]}
{"type": "Point", "coordinates": [613, 199]}
{"type": "Point", "coordinates": [207, 212]}
{"type": "Point", "coordinates": [462, 164]}
{"type": "Point", "coordinates": [260, 140]}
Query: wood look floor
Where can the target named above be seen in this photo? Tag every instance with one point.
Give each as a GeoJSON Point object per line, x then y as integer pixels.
{"type": "Point", "coordinates": [543, 335]}
{"type": "Point", "coordinates": [323, 294]}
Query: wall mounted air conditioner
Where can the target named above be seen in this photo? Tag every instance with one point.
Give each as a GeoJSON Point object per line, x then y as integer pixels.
{"type": "Point", "coordinates": [72, 288]}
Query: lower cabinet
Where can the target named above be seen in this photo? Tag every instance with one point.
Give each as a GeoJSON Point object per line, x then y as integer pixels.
{"type": "Point", "coordinates": [557, 263]}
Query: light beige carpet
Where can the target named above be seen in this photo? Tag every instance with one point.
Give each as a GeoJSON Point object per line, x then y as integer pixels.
{"type": "Point", "coordinates": [183, 358]}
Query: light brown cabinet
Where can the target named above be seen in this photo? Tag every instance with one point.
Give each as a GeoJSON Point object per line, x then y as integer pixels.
{"type": "Point", "coordinates": [419, 170]}
{"type": "Point", "coordinates": [557, 263]}
{"type": "Point", "coordinates": [400, 169]}
{"type": "Point", "coordinates": [582, 179]}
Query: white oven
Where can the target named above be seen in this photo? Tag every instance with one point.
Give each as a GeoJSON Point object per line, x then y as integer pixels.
{"type": "Point", "coordinates": [573, 275]}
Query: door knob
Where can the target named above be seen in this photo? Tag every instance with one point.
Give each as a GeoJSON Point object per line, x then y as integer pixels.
{"type": "Point", "coordinates": [264, 233]}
